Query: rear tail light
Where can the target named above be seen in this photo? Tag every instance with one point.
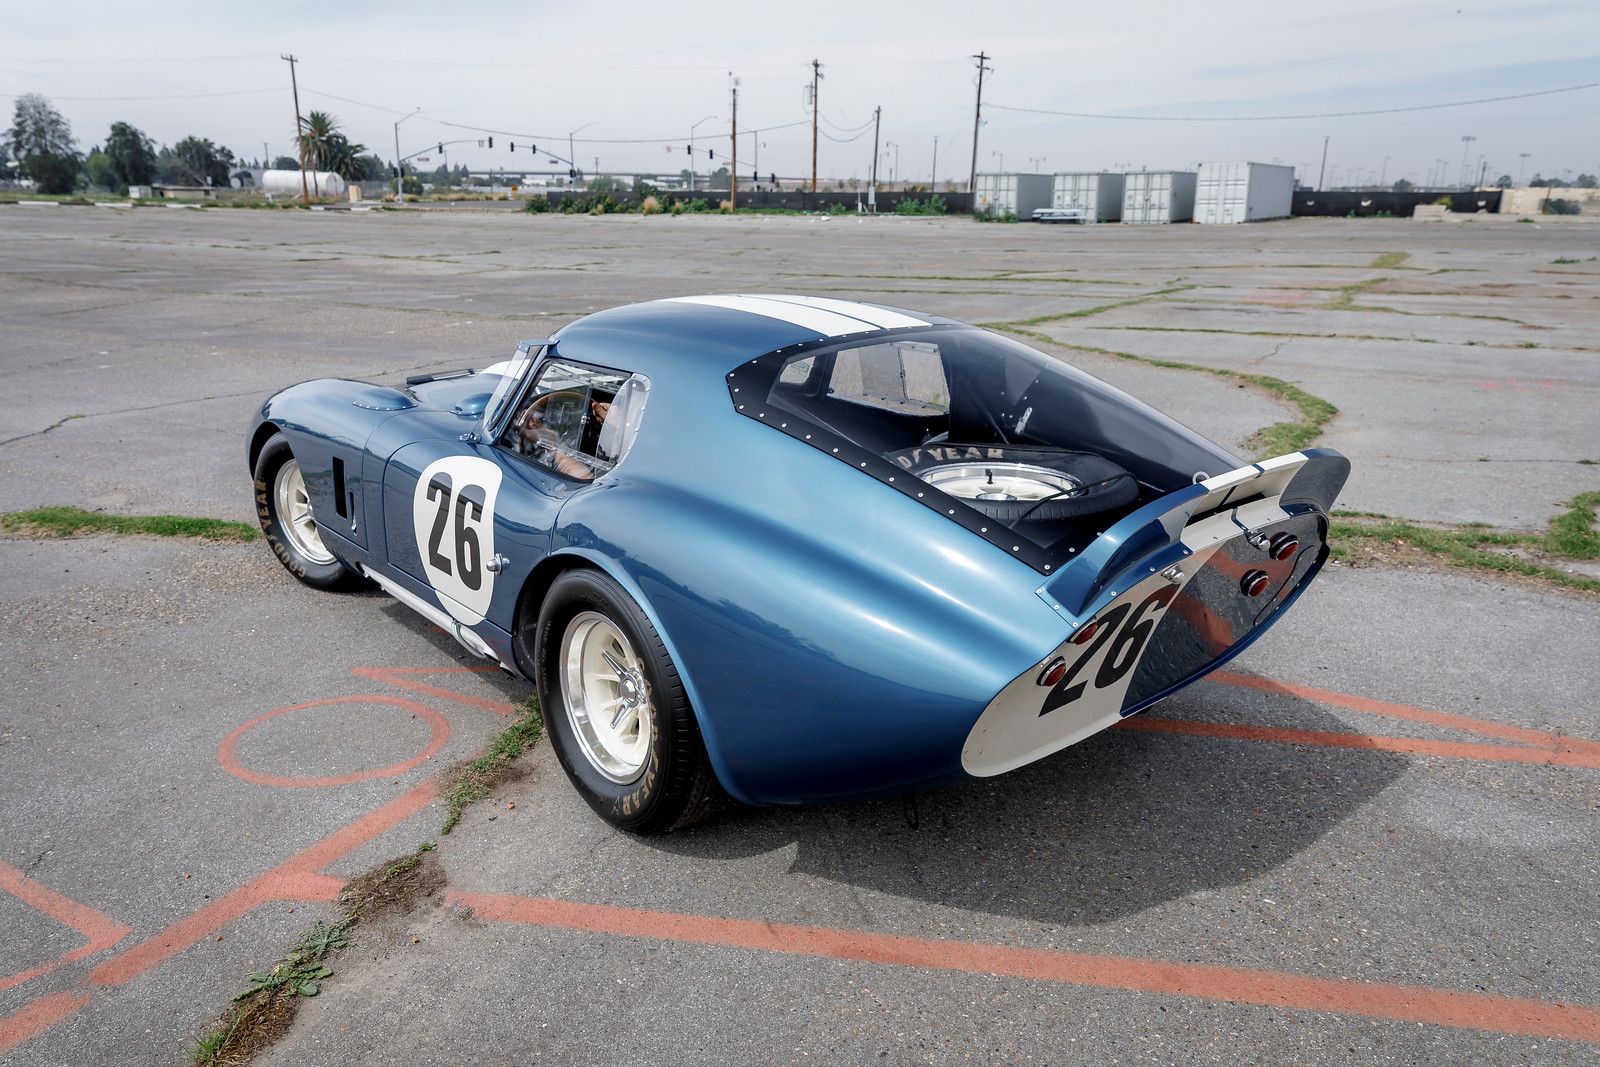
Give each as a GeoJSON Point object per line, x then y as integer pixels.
{"type": "Point", "coordinates": [1086, 633]}
{"type": "Point", "coordinates": [1254, 583]}
{"type": "Point", "coordinates": [1053, 672]}
{"type": "Point", "coordinates": [1284, 545]}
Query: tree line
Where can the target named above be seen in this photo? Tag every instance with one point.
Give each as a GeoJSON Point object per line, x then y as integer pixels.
{"type": "Point", "coordinates": [40, 146]}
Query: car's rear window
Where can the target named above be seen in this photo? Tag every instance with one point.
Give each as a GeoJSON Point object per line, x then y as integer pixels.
{"type": "Point", "coordinates": [987, 425]}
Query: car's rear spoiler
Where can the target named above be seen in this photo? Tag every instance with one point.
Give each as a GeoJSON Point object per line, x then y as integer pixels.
{"type": "Point", "coordinates": [1306, 479]}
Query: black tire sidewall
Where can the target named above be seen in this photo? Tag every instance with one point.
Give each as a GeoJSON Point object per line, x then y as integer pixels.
{"type": "Point", "coordinates": [274, 454]}
{"type": "Point", "coordinates": [655, 799]}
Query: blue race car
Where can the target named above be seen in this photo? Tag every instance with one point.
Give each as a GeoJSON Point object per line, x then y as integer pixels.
{"type": "Point", "coordinates": [794, 549]}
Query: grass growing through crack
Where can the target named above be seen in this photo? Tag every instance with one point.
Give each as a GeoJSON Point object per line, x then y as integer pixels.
{"type": "Point", "coordinates": [1570, 535]}
{"type": "Point", "coordinates": [472, 781]}
{"type": "Point", "coordinates": [263, 1013]}
{"type": "Point", "coordinates": [63, 521]}
{"type": "Point", "coordinates": [1390, 261]}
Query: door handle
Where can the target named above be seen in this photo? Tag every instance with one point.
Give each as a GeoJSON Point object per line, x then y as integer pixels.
{"type": "Point", "coordinates": [496, 563]}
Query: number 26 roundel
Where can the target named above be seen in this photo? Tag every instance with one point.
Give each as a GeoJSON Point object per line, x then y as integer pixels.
{"type": "Point", "coordinates": [452, 514]}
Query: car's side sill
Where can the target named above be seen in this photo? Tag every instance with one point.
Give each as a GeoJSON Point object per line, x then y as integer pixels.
{"type": "Point", "coordinates": [469, 640]}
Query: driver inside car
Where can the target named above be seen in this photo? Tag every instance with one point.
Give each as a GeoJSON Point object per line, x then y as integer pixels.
{"type": "Point", "coordinates": [547, 445]}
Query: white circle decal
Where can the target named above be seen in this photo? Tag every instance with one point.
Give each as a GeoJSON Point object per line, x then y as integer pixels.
{"type": "Point", "coordinates": [452, 512]}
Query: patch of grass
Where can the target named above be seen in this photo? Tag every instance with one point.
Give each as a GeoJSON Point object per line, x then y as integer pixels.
{"type": "Point", "coordinates": [473, 780]}
{"type": "Point", "coordinates": [264, 1012]}
{"type": "Point", "coordinates": [1390, 261]}
{"type": "Point", "coordinates": [1345, 295]}
{"type": "Point", "coordinates": [1570, 535]}
{"type": "Point", "coordinates": [67, 521]}
{"type": "Point", "coordinates": [1564, 259]}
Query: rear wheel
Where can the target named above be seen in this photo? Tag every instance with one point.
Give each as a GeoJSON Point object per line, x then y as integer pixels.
{"type": "Point", "coordinates": [283, 507]}
{"type": "Point", "coordinates": [615, 708]}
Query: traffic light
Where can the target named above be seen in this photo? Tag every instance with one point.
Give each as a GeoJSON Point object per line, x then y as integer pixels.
{"type": "Point", "coordinates": [533, 150]}
{"type": "Point", "coordinates": [572, 172]}
{"type": "Point", "coordinates": [689, 148]}
{"type": "Point", "coordinates": [513, 146]}
{"type": "Point", "coordinates": [491, 142]}
{"type": "Point", "coordinates": [773, 177]}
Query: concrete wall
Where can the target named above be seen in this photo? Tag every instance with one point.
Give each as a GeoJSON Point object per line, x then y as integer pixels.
{"type": "Point", "coordinates": [1531, 201]}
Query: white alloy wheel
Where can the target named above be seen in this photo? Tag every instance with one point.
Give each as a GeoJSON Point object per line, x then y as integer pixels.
{"type": "Point", "coordinates": [606, 698]}
{"type": "Point", "coordinates": [294, 514]}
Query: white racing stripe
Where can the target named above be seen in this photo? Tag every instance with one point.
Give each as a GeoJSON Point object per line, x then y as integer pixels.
{"type": "Point", "coordinates": [883, 318]}
{"type": "Point", "coordinates": [832, 318]}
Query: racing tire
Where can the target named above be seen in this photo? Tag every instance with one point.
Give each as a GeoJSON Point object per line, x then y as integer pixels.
{"type": "Point", "coordinates": [1106, 485]}
{"type": "Point", "coordinates": [291, 532]}
{"type": "Point", "coordinates": [626, 738]}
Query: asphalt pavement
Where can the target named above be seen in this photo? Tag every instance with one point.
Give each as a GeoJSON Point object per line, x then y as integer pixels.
{"type": "Point", "coordinates": [1372, 840]}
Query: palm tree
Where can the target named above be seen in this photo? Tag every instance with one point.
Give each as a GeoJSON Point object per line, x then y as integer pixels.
{"type": "Point", "coordinates": [326, 148]}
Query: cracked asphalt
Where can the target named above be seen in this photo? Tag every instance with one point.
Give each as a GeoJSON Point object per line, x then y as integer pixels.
{"type": "Point", "coordinates": [1376, 842]}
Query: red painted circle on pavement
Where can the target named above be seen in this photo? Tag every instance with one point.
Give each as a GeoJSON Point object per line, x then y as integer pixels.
{"type": "Point", "coordinates": [437, 723]}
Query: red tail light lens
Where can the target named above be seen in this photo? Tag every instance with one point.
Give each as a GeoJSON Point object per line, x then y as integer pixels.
{"type": "Point", "coordinates": [1254, 583]}
{"type": "Point", "coordinates": [1284, 546]}
{"type": "Point", "coordinates": [1086, 633]}
{"type": "Point", "coordinates": [1053, 672]}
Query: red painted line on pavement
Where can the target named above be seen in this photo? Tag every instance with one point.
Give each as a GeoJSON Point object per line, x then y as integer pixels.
{"type": "Point", "coordinates": [33, 1019]}
{"type": "Point", "coordinates": [98, 930]}
{"type": "Point", "coordinates": [437, 724]}
{"type": "Point", "coordinates": [1276, 989]}
{"type": "Point", "coordinates": [1411, 746]}
{"type": "Point", "coordinates": [302, 870]}
{"type": "Point", "coordinates": [400, 676]}
{"type": "Point", "coordinates": [1540, 738]}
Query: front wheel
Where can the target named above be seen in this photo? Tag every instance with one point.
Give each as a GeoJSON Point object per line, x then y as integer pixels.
{"type": "Point", "coordinates": [616, 710]}
{"type": "Point", "coordinates": [283, 507]}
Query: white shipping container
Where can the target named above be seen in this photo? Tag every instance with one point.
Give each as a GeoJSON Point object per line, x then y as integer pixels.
{"type": "Point", "coordinates": [287, 183]}
{"type": "Point", "coordinates": [1155, 196]}
{"type": "Point", "coordinates": [1243, 192]}
{"type": "Point", "coordinates": [1016, 194]}
{"type": "Point", "coordinates": [1097, 195]}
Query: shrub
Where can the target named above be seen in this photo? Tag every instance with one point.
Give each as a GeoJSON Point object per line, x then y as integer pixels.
{"type": "Point", "coordinates": [649, 206]}
{"type": "Point", "coordinates": [538, 204]}
{"type": "Point", "coordinates": [1562, 207]}
{"type": "Point", "coordinates": [933, 205]}
{"type": "Point", "coordinates": [837, 208]}
{"type": "Point", "coordinates": [726, 207]}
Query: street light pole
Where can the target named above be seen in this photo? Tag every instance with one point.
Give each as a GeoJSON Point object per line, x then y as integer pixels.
{"type": "Point", "coordinates": [399, 164]}
{"type": "Point", "coordinates": [1522, 166]}
{"type": "Point", "coordinates": [1466, 145]}
{"type": "Point", "coordinates": [933, 180]}
{"type": "Point", "coordinates": [1322, 174]}
{"type": "Point", "coordinates": [696, 126]}
{"type": "Point", "coordinates": [572, 156]}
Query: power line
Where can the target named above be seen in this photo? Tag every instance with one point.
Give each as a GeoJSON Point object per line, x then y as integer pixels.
{"type": "Point", "coordinates": [675, 139]}
{"type": "Point", "coordinates": [1312, 115]}
{"type": "Point", "coordinates": [177, 96]}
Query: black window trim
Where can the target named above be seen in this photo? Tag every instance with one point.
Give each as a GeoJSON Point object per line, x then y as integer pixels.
{"type": "Point", "coordinates": [750, 387]}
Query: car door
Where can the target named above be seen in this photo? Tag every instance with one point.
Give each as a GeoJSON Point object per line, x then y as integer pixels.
{"type": "Point", "coordinates": [468, 520]}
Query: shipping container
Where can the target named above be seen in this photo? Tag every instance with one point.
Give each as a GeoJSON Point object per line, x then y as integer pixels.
{"type": "Point", "coordinates": [1097, 195]}
{"type": "Point", "coordinates": [1243, 192]}
{"type": "Point", "coordinates": [1153, 196]}
{"type": "Point", "coordinates": [1012, 194]}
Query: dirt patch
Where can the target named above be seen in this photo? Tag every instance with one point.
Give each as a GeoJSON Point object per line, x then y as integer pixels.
{"type": "Point", "coordinates": [394, 889]}
{"type": "Point", "coordinates": [252, 1027]}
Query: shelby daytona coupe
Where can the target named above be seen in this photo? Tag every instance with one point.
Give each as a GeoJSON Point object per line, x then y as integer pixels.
{"type": "Point", "coordinates": [794, 549]}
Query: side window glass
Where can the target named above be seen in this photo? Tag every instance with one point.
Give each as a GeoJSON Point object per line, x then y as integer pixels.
{"type": "Point", "coordinates": [577, 421]}
{"type": "Point", "coordinates": [903, 376]}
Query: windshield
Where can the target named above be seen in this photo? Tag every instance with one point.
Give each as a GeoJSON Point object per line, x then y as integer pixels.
{"type": "Point", "coordinates": [495, 413]}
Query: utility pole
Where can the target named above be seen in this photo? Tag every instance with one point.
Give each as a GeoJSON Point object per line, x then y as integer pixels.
{"type": "Point", "coordinates": [1522, 166]}
{"type": "Point", "coordinates": [1383, 173]}
{"type": "Point", "coordinates": [1323, 173]}
{"type": "Point", "coordinates": [266, 157]}
{"type": "Point", "coordinates": [733, 171]}
{"type": "Point", "coordinates": [872, 190]}
{"type": "Point", "coordinates": [294, 84]}
{"type": "Point", "coordinates": [933, 182]}
{"type": "Point", "coordinates": [977, 120]}
{"type": "Point", "coordinates": [816, 106]}
{"type": "Point", "coordinates": [1466, 144]}
{"type": "Point", "coordinates": [1483, 170]}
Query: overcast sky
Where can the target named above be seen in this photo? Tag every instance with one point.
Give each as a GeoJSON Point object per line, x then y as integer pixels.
{"type": "Point", "coordinates": [634, 70]}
